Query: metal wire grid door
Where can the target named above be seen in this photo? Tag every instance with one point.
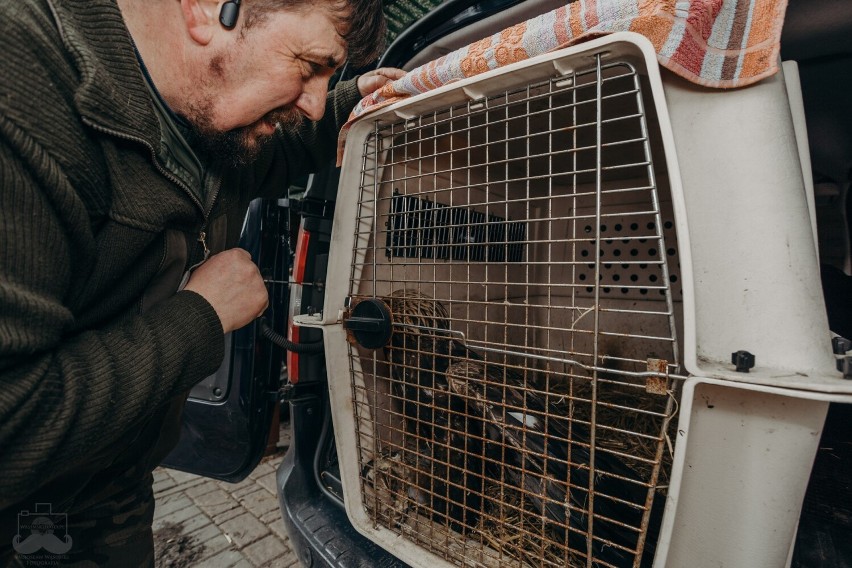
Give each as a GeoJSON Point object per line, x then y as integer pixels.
{"type": "Point", "coordinates": [518, 415]}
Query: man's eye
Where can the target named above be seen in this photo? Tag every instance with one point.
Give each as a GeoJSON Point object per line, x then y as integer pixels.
{"type": "Point", "coordinates": [313, 68]}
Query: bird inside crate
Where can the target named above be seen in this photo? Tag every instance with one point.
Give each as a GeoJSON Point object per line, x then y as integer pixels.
{"type": "Point", "coordinates": [487, 451]}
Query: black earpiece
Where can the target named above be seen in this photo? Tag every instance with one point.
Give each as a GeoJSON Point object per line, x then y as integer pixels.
{"type": "Point", "coordinates": [230, 14]}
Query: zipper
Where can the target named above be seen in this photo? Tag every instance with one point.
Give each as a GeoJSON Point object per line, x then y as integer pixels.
{"type": "Point", "coordinates": [213, 193]}
{"type": "Point", "coordinates": [167, 174]}
{"type": "Point", "coordinates": [202, 238]}
{"type": "Point", "coordinates": [205, 213]}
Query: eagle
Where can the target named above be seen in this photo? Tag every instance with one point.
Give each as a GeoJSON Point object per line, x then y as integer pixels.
{"type": "Point", "coordinates": [468, 420]}
{"type": "Point", "coordinates": [448, 472]}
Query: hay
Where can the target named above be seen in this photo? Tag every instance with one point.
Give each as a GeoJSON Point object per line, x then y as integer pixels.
{"type": "Point", "coordinates": [509, 520]}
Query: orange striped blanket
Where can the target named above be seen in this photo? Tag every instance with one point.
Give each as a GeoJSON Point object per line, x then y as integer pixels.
{"type": "Point", "coordinates": [715, 43]}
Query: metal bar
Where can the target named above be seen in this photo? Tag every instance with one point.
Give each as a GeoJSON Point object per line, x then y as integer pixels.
{"type": "Point", "coordinates": [592, 429]}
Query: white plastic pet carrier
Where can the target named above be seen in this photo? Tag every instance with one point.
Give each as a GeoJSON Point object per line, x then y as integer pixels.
{"type": "Point", "coordinates": [573, 318]}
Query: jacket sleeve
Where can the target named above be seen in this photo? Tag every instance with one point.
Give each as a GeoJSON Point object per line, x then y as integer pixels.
{"type": "Point", "coordinates": [311, 147]}
{"type": "Point", "coordinates": [64, 395]}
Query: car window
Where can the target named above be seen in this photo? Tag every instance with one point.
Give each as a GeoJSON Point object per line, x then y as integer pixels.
{"type": "Point", "coordinates": [402, 13]}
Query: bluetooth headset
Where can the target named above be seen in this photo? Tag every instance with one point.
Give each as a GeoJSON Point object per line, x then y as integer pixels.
{"type": "Point", "coordinates": [230, 14]}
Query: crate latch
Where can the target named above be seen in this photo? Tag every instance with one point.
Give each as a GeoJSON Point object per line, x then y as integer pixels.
{"type": "Point", "coordinates": [369, 323]}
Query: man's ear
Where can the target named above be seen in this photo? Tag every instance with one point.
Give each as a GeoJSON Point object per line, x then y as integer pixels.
{"type": "Point", "coordinates": [201, 18]}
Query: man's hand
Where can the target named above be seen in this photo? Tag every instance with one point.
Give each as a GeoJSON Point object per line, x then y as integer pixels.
{"type": "Point", "coordinates": [232, 284]}
{"type": "Point", "coordinates": [373, 80]}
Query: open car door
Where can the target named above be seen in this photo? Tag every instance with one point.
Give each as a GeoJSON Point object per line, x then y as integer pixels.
{"type": "Point", "coordinates": [227, 418]}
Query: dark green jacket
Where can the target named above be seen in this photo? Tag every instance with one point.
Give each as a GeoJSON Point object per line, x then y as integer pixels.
{"type": "Point", "coordinates": [94, 232]}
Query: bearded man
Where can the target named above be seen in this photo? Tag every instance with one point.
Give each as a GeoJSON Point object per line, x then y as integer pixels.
{"type": "Point", "coordinates": [132, 137]}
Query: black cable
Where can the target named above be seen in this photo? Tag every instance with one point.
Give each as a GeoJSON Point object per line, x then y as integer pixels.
{"type": "Point", "coordinates": [284, 343]}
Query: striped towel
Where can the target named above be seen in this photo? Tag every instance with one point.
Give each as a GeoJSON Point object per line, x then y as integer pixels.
{"type": "Point", "coordinates": [715, 43]}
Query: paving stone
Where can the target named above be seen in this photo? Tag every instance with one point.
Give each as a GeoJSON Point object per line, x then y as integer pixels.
{"type": "Point", "coordinates": [183, 477]}
{"type": "Point", "coordinates": [160, 474]}
{"type": "Point", "coordinates": [163, 499]}
{"type": "Point", "coordinates": [262, 469]}
{"type": "Point", "coordinates": [225, 559]}
{"type": "Point", "coordinates": [277, 527]}
{"type": "Point", "coordinates": [170, 505]}
{"type": "Point", "coordinates": [260, 502]}
{"type": "Point", "coordinates": [265, 550]}
{"type": "Point", "coordinates": [213, 540]}
{"type": "Point", "coordinates": [270, 517]}
{"type": "Point", "coordinates": [244, 490]}
{"type": "Point", "coordinates": [236, 489]}
{"type": "Point", "coordinates": [173, 490]}
{"type": "Point", "coordinates": [180, 517]}
{"type": "Point", "coordinates": [244, 529]}
{"type": "Point", "coordinates": [197, 522]}
{"type": "Point", "coordinates": [206, 487]}
{"type": "Point", "coordinates": [216, 502]}
{"type": "Point", "coordinates": [268, 482]}
{"type": "Point", "coordinates": [229, 514]}
{"type": "Point", "coordinates": [163, 484]}
{"type": "Point", "coordinates": [185, 486]}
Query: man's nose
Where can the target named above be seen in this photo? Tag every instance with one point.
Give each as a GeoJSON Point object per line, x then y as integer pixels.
{"type": "Point", "coordinates": [312, 100]}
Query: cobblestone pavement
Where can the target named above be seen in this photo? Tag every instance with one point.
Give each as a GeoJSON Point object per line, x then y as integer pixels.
{"type": "Point", "coordinates": [202, 522]}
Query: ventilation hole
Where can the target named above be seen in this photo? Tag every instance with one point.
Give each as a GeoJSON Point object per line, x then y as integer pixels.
{"type": "Point", "coordinates": [634, 252]}
{"type": "Point", "coordinates": [673, 278]}
{"type": "Point", "coordinates": [591, 266]}
{"type": "Point", "coordinates": [624, 290]}
{"type": "Point", "coordinates": [643, 266]}
{"type": "Point", "coordinates": [662, 292]}
{"type": "Point", "coordinates": [643, 241]}
{"type": "Point", "coordinates": [588, 228]}
{"type": "Point", "coordinates": [607, 266]}
{"type": "Point", "coordinates": [606, 289]}
{"type": "Point", "coordinates": [584, 252]}
{"type": "Point", "coordinates": [652, 252]}
{"type": "Point", "coordinates": [602, 252]}
{"type": "Point", "coordinates": [625, 266]}
{"type": "Point", "coordinates": [652, 278]}
{"type": "Point", "coordinates": [617, 252]}
{"type": "Point", "coordinates": [603, 228]}
{"type": "Point", "coordinates": [589, 288]}
{"type": "Point", "coordinates": [634, 226]}
{"type": "Point", "coordinates": [617, 226]}
{"type": "Point", "coordinates": [625, 241]}
{"type": "Point", "coordinates": [634, 278]}
{"type": "Point", "coordinates": [608, 241]}
{"type": "Point", "coordinates": [671, 252]}
{"type": "Point", "coordinates": [582, 276]}
{"type": "Point", "coordinates": [616, 277]}
{"type": "Point", "coordinates": [651, 226]}
{"type": "Point", "coordinates": [643, 291]}
{"type": "Point", "coordinates": [668, 225]}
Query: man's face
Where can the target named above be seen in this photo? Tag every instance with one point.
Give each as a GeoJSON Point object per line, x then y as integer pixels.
{"type": "Point", "coordinates": [272, 77]}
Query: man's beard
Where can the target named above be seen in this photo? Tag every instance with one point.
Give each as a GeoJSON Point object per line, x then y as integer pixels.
{"type": "Point", "coordinates": [239, 146]}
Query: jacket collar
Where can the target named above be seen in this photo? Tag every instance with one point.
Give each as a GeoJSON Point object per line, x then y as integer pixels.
{"type": "Point", "coordinates": [112, 92]}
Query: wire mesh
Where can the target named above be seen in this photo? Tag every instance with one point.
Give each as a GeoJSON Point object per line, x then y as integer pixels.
{"type": "Point", "coordinates": [525, 246]}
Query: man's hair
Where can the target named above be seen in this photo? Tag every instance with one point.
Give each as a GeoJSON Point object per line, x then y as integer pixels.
{"type": "Point", "coordinates": [362, 22]}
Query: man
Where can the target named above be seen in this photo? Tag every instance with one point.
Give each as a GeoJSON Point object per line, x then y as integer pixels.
{"type": "Point", "coordinates": [132, 137]}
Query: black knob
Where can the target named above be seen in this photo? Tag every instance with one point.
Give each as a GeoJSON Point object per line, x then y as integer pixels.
{"type": "Point", "coordinates": [743, 360]}
{"type": "Point", "coordinates": [370, 323]}
{"type": "Point", "coordinates": [840, 345]}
